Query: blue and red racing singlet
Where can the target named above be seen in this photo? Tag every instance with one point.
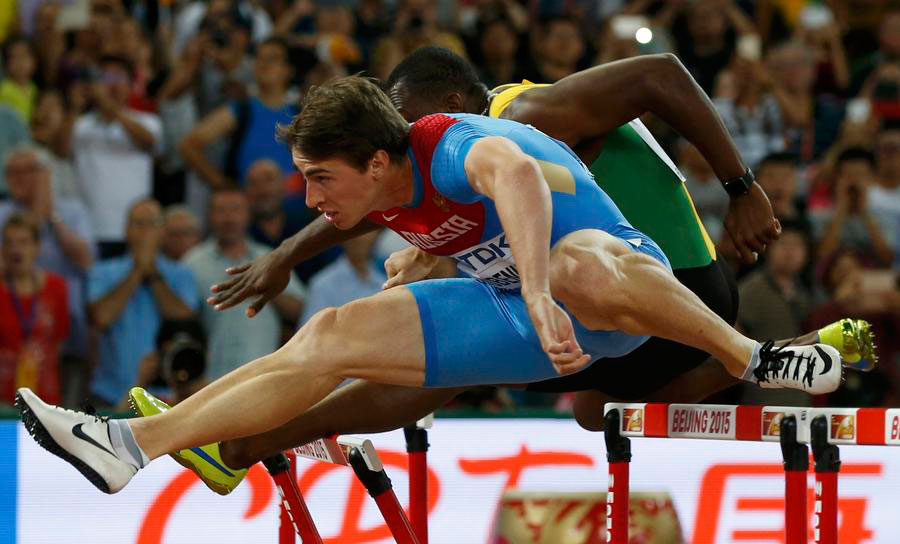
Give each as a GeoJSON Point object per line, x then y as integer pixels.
{"type": "Point", "coordinates": [448, 218]}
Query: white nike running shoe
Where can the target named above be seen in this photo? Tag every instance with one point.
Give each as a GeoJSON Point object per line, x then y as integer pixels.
{"type": "Point", "coordinates": [815, 369]}
{"type": "Point", "coordinates": [78, 438]}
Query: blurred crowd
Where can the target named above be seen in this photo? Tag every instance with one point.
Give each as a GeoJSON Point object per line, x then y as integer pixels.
{"type": "Point", "coordinates": [139, 161]}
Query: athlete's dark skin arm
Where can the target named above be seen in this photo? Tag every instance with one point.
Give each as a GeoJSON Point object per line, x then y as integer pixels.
{"type": "Point", "coordinates": [266, 277]}
{"type": "Point", "coordinates": [580, 108]}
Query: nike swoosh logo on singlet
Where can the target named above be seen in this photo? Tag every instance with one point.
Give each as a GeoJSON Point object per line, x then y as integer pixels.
{"type": "Point", "coordinates": [391, 218]}
{"type": "Point", "coordinates": [76, 430]}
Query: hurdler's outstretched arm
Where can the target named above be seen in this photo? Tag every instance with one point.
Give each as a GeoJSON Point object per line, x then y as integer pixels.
{"type": "Point", "coordinates": [266, 277]}
{"type": "Point", "coordinates": [580, 108]}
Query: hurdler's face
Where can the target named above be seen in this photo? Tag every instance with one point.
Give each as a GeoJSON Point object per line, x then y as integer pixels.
{"type": "Point", "coordinates": [340, 191]}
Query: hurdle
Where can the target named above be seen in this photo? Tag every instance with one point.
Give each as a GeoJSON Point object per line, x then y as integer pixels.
{"type": "Point", "coordinates": [357, 453]}
{"type": "Point", "coordinates": [417, 449]}
{"type": "Point", "coordinates": [823, 428]}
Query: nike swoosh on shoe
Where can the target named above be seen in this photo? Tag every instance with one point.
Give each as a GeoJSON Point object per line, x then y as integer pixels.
{"type": "Point", "coordinates": [825, 359]}
{"type": "Point", "coordinates": [76, 430]}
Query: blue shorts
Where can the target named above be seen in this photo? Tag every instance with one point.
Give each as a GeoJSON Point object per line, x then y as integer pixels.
{"type": "Point", "coordinates": [477, 334]}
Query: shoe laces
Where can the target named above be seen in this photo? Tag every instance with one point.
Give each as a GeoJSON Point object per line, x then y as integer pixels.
{"type": "Point", "coordinates": [773, 360]}
{"type": "Point", "coordinates": [90, 410]}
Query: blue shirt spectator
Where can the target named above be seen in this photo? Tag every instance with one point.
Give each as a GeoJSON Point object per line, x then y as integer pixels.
{"type": "Point", "coordinates": [128, 299]}
{"type": "Point", "coordinates": [256, 134]}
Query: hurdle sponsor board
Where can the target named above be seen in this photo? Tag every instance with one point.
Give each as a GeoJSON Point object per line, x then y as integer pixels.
{"type": "Point", "coordinates": [842, 423]}
{"type": "Point", "coordinates": [324, 449]}
{"type": "Point", "coordinates": [337, 451]}
{"type": "Point", "coordinates": [721, 491]}
{"type": "Point", "coordinates": [702, 421]}
{"type": "Point", "coordinates": [773, 417]}
{"type": "Point", "coordinates": [677, 420]}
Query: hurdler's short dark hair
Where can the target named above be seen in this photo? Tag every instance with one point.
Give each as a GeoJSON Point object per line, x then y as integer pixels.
{"type": "Point", "coordinates": [350, 118]}
{"type": "Point", "coordinates": [430, 72]}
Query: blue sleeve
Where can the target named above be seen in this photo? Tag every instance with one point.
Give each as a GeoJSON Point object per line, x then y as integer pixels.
{"type": "Point", "coordinates": [100, 281]}
{"type": "Point", "coordinates": [185, 286]}
{"type": "Point", "coordinates": [448, 172]}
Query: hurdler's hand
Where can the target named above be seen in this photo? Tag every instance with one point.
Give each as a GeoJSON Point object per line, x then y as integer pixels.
{"type": "Point", "coordinates": [407, 266]}
{"type": "Point", "coordinates": [751, 224]}
{"type": "Point", "coordinates": [263, 278]}
{"type": "Point", "coordinates": [554, 328]}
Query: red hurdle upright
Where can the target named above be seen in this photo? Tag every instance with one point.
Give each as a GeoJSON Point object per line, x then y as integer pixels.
{"type": "Point", "coordinates": [357, 453]}
{"type": "Point", "coordinates": [417, 450]}
{"type": "Point", "coordinates": [618, 455]}
{"type": "Point", "coordinates": [828, 464]}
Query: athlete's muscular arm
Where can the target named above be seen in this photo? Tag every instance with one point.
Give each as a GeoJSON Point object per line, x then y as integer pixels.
{"type": "Point", "coordinates": [585, 105]}
{"type": "Point", "coordinates": [267, 276]}
{"type": "Point", "coordinates": [497, 168]}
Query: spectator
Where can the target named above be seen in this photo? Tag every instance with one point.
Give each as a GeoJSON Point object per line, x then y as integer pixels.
{"type": "Point", "coordinates": [882, 62]}
{"type": "Point", "coordinates": [51, 47]}
{"type": "Point", "coordinates": [849, 221]}
{"type": "Point", "coordinates": [113, 150]}
{"type": "Point", "coordinates": [213, 70]}
{"type": "Point", "coordinates": [66, 243]}
{"type": "Point", "coordinates": [775, 303]}
{"type": "Point", "coordinates": [215, 64]}
{"type": "Point", "coordinates": [884, 196]}
{"type": "Point", "coordinates": [811, 122]}
{"type": "Point", "coordinates": [50, 130]}
{"type": "Point", "coordinates": [190, 20]}
{"type": "Point", "coordinates": [352, 276]}
{"type": "Point", "coordinates": [129, 296]}
{"type": "Point", "coordinates": [705, 34]}
{"type": "Point", "coordinates": [751, 114]}
{"type": "Point", "coordinates": [276, 217]}
{"type": "Point", "coordinates": [498, 48]}
{"type": "Point", "coordinates": [233, 338]}
{"type": "Point", "coordinates": [558, 47]}
{"type": "Point", "coordinates": [832, 73]}
{"type": "Point", "coordinates": [250, 123]}
{"type": "Point", "coordinates": [175, 369]}
{"type": "Point", "coordinates": [17, 89]}
{"type": "Point", "coordinates": [12, 132]}
{"type": "Point", "coordinates": [34, 313]}
{"type": "Point", "coordinates": [777, 175]}
{"type": "Point", "coordinates": [181, 231]}
{"type": "Point", "coordinates": [863, 292]}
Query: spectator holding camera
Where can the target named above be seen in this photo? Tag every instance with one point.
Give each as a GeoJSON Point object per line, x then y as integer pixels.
{"type": "Point", "coordinates": [250, 123]}
{"type": "Point", "coordinates": [175, 369]}
{"type": "Point", "coordinates": [749, 110]}
{"type": "Point", "coordinates": [34, 312]}
{"type": "Point", "coordinates": [113, 149]}
{"type": "Point", "coordinates": [129, 296]}
{"type": "Point", "coordinates": [849, 221]}
{"type": "Point", "coordinates": [857, 289]}
{"type": "Point", "coordinates": [811, 121]}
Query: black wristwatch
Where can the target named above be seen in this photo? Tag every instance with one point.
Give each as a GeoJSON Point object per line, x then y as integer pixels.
{"type": "Point", "coordinates": [740, 185]}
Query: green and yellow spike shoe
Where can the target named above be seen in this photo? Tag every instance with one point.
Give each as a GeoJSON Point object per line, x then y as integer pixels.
{"type": "Point", "coordinates": [204, 461]}
{"type": "Point", "coordinates": [855, 340]}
